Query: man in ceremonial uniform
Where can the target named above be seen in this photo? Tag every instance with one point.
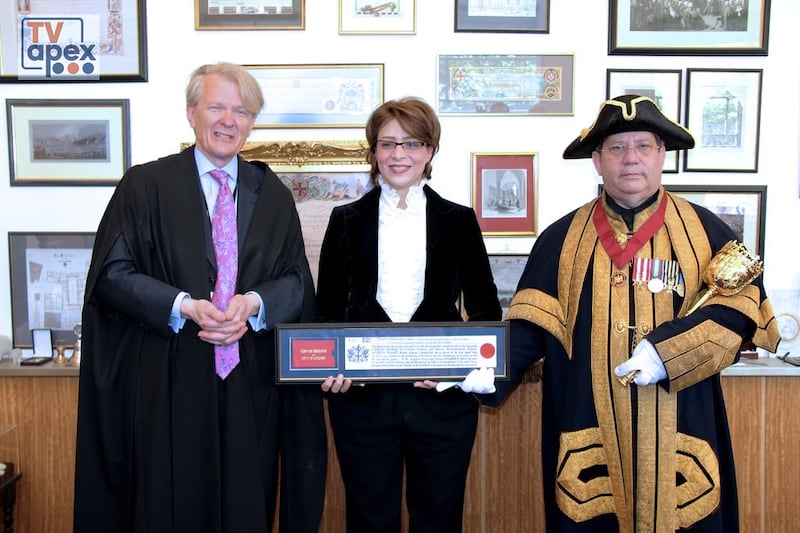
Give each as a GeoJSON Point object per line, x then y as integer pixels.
{"type": "Point", "coordinates": [606, 295]}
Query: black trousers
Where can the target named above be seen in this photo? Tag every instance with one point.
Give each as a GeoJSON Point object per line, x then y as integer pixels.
{"type": "Point", "coordinates": [379, 431]}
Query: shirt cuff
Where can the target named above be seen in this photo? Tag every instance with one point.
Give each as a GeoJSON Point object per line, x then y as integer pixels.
{"type": "Point", "coordinates": [258, 321]}
{"type": "Point", "coordinates": [176, 321]}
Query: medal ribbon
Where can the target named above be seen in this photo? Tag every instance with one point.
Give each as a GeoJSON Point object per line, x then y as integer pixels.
{"type": "Point", "coordinates": [619, 255]}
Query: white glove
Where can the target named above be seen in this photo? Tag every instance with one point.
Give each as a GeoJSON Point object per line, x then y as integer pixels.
{"type": "Point", "coordinates": [479, 380]}
{"type": "Point", "coordinates": [646, 360]}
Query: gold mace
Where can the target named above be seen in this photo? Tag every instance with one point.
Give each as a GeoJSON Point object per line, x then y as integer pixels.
{"type": "Point", "coordinates": [732, 269]}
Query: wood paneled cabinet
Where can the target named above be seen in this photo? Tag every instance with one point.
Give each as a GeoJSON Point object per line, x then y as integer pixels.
{"type": "Point", "coordinates": [504, 486]}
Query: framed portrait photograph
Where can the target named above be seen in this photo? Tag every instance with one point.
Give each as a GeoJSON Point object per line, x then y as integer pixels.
{"type": "Point", "coordinates": [738, 27]}
{"type": "Point", "coordinates": [321, 175]}
{"type": "Point", "coordinates": [68, 142]}
{"type": "Point", "coordinates": [742, 207]}
{"type": "Point", "coordinates": [370, 17]}
{"type": "Point", "coordinates": [48, 278]}
{"type": "Point", "coordinates": [504, 193]}
{"type": "Point", "coordinates": [522, 16]}
{"type": "Point", "coordinates": [723, 112]}
{"type": "Point", "coordinates": [506, 271]}
{"type": "Point", "coordinates": [505, 84]}
{"type": "Point", "coordinates": [120, 27]}
{"type": "Point", "coordinates": [661, 86]}
{"type": "Point", "coordinates": [318, 96]}
{"type": "Point", "coordinates": [249, 15]}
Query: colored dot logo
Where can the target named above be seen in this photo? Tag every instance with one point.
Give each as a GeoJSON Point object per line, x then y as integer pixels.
{"type": "Point", "coordinates": [59, 48]}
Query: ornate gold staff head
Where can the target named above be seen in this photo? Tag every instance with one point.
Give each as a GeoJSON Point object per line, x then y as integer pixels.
{"type": "Point", "coordinates": [731, 269]}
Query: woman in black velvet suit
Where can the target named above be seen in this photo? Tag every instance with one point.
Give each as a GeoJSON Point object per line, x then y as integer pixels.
{"type": "Point", "coordinates": [402, 253]}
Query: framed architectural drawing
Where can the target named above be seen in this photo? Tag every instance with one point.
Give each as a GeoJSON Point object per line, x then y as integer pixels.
{"type": "Point", "coordinates": [723, 112]}
{"type": "Point", "coordinates": [48, 278]}
{"type": "Point", "coordinates": [504, 193]}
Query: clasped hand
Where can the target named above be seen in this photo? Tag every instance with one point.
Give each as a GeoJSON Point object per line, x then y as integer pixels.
{"type": "Point", "coordinates": [218, 327]}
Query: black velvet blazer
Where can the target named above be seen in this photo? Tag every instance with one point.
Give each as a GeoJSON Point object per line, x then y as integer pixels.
{"type": "Point", "coordinates": [456, 263]}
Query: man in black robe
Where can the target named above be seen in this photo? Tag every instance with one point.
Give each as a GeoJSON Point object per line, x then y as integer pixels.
{"type": "Point", "coordinates": [606, 294]}
{"type": "Point", "coordinates": [164, 443]}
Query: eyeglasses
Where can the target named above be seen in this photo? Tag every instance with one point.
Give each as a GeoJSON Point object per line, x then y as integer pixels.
{"type": "Point", "coordinates": [408, 146]}
{"type": "Point", "coordinates": [642, 149]}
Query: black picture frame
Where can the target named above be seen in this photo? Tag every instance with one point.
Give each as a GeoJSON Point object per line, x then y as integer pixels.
{"type": "Point", "coordinates": [247, 17]}
{"type": "Point", "coordinates": [123, 53]}
{"type": "Point", "coordinates": [508, 22]}
{"type": "Point", "coordinates": [59, 290]}
{"type": "Point", "coordinates": [723, 112]}
{"type": "Point", "coordinates": [742, 207]}
{"type": "Point", "coordinates": [738, 32]}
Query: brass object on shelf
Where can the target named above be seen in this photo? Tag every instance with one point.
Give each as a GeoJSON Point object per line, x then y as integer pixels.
{"type": "Point", "coordinates": [60, 350]}
{"type": "Point", "coordinates": [75, 360]}
{"type": "Point", "coordinates": [732, 269]}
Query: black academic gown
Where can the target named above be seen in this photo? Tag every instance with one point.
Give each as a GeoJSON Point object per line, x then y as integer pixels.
{"type": "Point", "coordinates": [163, 444]}
{"type": "Point", "coordinates": [643, 459]}
{"type": "Point", "coordinates": [380, 427]}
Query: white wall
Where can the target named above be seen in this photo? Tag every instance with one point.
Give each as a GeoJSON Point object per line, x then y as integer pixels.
{"type": "Point", "coordinates": [579, 27]}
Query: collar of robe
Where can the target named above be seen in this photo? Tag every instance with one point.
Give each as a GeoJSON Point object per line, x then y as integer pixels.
{"type": "Point", "coordinates": [619, 255]}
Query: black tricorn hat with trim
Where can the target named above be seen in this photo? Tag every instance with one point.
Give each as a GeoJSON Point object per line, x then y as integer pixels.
{"type": "Point", "coordinates": [629, 113]}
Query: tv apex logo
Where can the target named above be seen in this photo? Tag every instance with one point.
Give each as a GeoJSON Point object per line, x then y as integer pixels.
{"type": "Point", "coordinates": [59, 48]}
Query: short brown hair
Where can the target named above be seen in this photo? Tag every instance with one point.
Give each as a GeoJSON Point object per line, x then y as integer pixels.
{"type": "Point", "coordinates": [415, 116]}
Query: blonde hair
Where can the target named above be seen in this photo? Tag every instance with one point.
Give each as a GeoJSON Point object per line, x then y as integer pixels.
{"type": "Point", "coordinates": [252, 97]}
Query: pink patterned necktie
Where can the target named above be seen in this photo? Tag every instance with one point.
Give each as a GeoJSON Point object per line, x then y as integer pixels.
{"type": "Point", "coordinates": [226, 252]}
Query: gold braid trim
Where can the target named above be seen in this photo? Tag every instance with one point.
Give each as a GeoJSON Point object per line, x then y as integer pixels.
{"type": "Point", "coordinates": [579, 497]}
{"type": "Point", "coordinates": [698, 353]}
{"type": "Point", "coordinates": [541, 309]}
{"type": "Point", "coordinates": [747, 303]}
{"type": "Point", "coordinates": [699, 494]}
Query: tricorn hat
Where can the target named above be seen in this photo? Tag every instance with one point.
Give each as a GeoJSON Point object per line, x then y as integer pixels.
{"type": "Point", "coordinates": [629, 113]}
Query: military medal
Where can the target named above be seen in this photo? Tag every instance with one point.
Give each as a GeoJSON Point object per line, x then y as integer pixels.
{"type": "Point", "coordinates": [641, 271]}
{"type": "Point", "coordinates": [656, 284]}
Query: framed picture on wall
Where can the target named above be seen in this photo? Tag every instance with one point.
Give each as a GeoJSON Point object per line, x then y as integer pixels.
{"type": "Point", "coordinates": [713, 28]}
{"type": "Point", "coordinates": [321, 175]}
{"type": "Point", "coordinates": [742, 207]}
{"type": "Point", "coordinates": [318, 96]}
{"type": "Point", "coordinates": [48, 278]}
{"type": "Point", "coordinates": [505, 84]}
{"type": "Point", "coordinates": [504, 193]}
{"type": "Point", "coordinates": [661, 86]}
{"type": "Point", "coordinates": [249, 15]}
{"type": "Point", "coordinates": [68, 142]}
{"type": "Point", "coordinates": [507, 270]}
{"type": "Point", "coordinates": [723, 112]}
{"type": "Point", "coordinates": [369, 17]}
{"type": "Point", "coordinates": [523, 16]}
{"type": "Point", "coordinates": [121, 45]}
